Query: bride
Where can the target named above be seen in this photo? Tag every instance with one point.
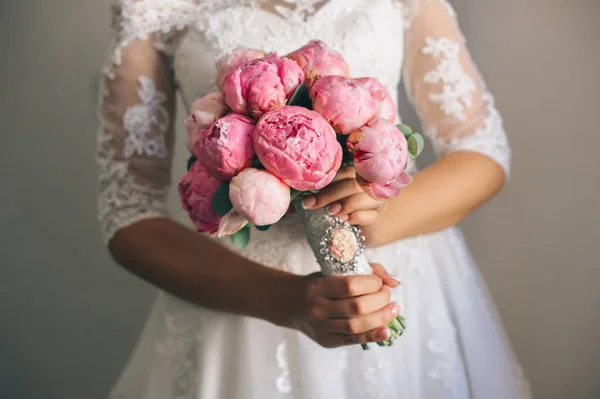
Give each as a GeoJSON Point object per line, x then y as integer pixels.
{"type": "Point", "coordinates": [260, 323]}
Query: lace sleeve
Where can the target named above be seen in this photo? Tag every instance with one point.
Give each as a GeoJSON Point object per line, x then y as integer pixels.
{"type": "Point", "coordinates": [135, 111]}
{"type": "Point", "coordinates": [440, 78]}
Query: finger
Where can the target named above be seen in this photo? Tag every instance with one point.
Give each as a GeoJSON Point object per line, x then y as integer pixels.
{"type": "Point", "coordinates": [362, 218]}
{"type": "Point", "coordinates": [362, 324]}
{"type": "Point", "coordinates": [387, 279]}
{"type": "Point", "coordinates": [334, 192]}
{"type": "Point", "coordinates": [345, 172]}
{"type": "Point", "coordinates": [376, 335]}
{"type": "Point", "coordinates": [358, 202]}
{"type": "Point", "coordinates": [349, 286]}
{"type": "Point", "coordinates": [358, 306]}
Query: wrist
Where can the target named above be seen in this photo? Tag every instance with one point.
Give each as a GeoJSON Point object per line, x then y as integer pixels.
{"type": "Point", "coordinates": [373, 232]}
{"type": "Point", "coordinates": [283, 297]}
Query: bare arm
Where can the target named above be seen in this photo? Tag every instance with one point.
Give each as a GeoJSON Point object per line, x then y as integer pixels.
{"type": "Point", "coordinates": [201, 271]}
{"type": "Point", "coordinates": [440, 196]}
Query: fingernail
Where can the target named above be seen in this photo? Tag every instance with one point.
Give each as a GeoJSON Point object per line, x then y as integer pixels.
{"type": "Point", "coordinates": [333, 209]}
{"type": "Point", "coordinates": [384, 334]}
{"type": "Point", "coordinates": [395, 278]}
{"type": "Point", "coordinates": [396, 309]}
{"type": "Point", "coordinates": [309, 202]}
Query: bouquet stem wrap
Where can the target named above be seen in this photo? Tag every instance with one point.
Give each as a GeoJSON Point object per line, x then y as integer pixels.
{"type": "Point", "coordinates": [339, 250]}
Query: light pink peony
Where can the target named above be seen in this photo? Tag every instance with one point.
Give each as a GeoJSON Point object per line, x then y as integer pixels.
{"type": "Point", "coordinates": [380, 155]}
{"type": "Point", "coordinates": [344, 102]}
{"type": "Point", "coordinates": [317, 60]}
{"type": "Point", "coordinates": [231, 223]}
{"type": "Point", "coordinates": [202, 113]}
{"type": "Point", "coordinates": [232, 61]}
{"type": "Point", "coordinates": [195, 192]}
{"type": "Point", "coordinates": [298, 146]}
{"type": "Point", "coordinates": [261, 85]}
{"type": "Point", "coordinates": [259, 196]}
{"type": "Point", "coordinates": [225, 146]}
{"type": "Point", "coordinates": [385, 109]}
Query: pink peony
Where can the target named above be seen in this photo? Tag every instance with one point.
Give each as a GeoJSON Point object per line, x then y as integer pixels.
{"type": "Point", "coordinates": [344, 102]}
{"type": "Point", "coordinates": [385, 109]}
{"type": "Point", "coordinates": [385, 190]}
{"type": "Point", "coordinates": [259, 196]}
{"type": "Point", "coordinates": [232, 61]}
{"type": "Point", "coordinates": [195, 192]}
{"type": "Point", "coordinates": [298, 146]}
{"type": "Point", "coordinates": [202, 113]}
{"type": "Point", "coordinates": [318, 60]}
{"type": "Point", "coordinates": [290, 73]}
{"type": "Point", "coordinates": [261, 85]}
{"type": "Point", "coordinates": [225, 146]}
{"type": "Point", "coordinates": [380, 155]}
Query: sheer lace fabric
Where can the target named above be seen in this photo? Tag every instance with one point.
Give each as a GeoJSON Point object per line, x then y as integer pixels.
{"type": "Point", "coordinates": [455, 346]}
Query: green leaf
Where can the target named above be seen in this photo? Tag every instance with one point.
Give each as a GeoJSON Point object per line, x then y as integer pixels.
{"type": "Point", "coordinates": [242, 237]}
{"type": "Point", "coordinates": [415, 144]}
{"type": "Point", "coordinates": [263, 228]}
{"type": "Point", "coordinates": [301, 97]}
{"type": "Point", "coordinates": [220, 200]}
{"type": "Point", "coordinates": [190, 162]}
{"type": "Point", "coordinates": [294, 193]}
{"type": "Point", "coordinates": [405, 129]}
{"type": "Point", "coordinates": [256, 164]}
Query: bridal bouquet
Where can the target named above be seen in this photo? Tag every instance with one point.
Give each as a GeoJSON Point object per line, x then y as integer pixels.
{"type": "Point", "coordinates": [283, 126]}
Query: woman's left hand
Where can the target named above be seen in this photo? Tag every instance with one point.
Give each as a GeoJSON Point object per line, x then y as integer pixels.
{"type": "Point", "coordinates": [346, 200]}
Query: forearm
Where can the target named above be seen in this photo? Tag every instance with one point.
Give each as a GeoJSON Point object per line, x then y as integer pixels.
{"type": "Point", "coordinates": [440, 196]}
{"type": "Point", "coordinates": [200, 271]}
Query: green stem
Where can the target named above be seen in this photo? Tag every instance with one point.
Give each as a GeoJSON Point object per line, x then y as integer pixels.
{"type": "Point", "coordinates": [398, 326]}
{"type": "Point", "coordinates": [401, 321]}
{"type": "Point", "coordinates": [365, 347]}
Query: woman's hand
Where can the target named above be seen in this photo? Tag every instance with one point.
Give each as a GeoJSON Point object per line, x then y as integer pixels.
{"type": "Point", "coordinates": [346, 200]}
{"type": "Point", "coordinates": [336, 311]}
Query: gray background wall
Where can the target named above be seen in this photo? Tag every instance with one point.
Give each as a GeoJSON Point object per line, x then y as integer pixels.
{"type": "Point", "coordinates": [69, 316]}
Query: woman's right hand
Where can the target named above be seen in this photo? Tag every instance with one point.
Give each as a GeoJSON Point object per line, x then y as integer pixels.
{"type": "Point", "coordinates": [337, 311]}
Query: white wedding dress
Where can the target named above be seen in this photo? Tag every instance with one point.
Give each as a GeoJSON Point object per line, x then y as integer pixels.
{"type": "Point", "coordinates": [454, 347]}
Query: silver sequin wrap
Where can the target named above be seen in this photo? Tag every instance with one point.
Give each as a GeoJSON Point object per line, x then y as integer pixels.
{"type": "Point", "coordinates": [318, 226]}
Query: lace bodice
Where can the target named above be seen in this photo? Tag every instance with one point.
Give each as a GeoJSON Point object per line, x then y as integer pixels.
{"type": "Point", "coordinates": [160, 46]}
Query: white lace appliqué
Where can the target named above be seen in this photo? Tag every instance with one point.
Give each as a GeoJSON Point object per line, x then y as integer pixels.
{"type": "Point", "coordinates": [343, 360]}
{"type": "Point", "coordinates": [298, 9]}
{"type": "Point", "coordinates": [448, 367]}
{"type": "Point", "coordinates": [122, 200]}
{"type": "Point", "coordinates": [283, 382]}
{"type": "Point", "coordinates": [458, 86]}
{"type": "Point", "coordinates": [489, 140]}
{"type": "Point", "coordinates": [147, 123]}
{"type": "Point", "coordinates": [378, 377]}
{"type": "Point", "coordinates": [178, 349]}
